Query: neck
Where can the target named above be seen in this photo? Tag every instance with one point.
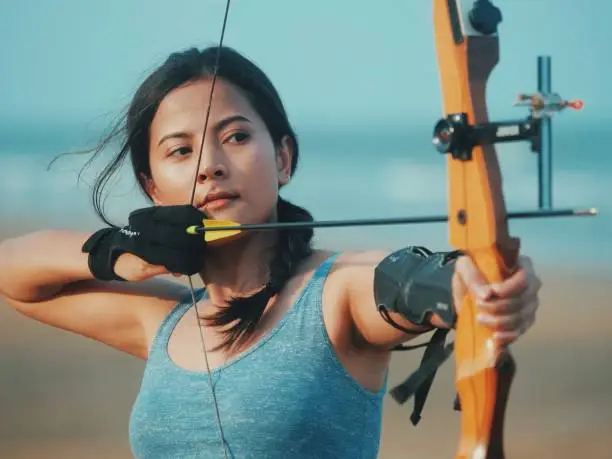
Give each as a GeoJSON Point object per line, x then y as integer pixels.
{"type": "Point", "coordinates": [238, 268]}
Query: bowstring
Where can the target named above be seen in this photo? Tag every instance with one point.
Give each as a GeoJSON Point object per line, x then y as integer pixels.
{"type": "Point", "coordinates": [191, 200]}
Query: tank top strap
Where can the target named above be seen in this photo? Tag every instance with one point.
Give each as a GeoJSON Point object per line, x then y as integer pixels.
{"type": "Point", "coordinates": [323, 269]}
{"type": "Point", "coordinates": [308, 307]}
{"type": "Point", "coordinates": [167, 326]}
{"type": "Point", "coordinates": [314, 287]}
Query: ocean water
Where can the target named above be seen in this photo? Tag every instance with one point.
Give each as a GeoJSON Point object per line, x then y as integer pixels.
{"type": "Point", "coordinates": [347, 173]}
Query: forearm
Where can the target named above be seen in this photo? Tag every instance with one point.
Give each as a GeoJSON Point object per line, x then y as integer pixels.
{"type": "Point", "coordinates": [39, 264]}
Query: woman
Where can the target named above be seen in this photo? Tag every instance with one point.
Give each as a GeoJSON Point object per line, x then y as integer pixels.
{"type": "Point", "coordinates": [284, 354]}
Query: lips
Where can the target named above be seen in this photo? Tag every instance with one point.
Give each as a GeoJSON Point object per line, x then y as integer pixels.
{"type": "Point", "coordinates": [217, 199]}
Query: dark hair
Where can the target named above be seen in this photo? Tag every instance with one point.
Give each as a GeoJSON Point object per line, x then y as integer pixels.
{"type": "Point", "coordinates": [240, 317]}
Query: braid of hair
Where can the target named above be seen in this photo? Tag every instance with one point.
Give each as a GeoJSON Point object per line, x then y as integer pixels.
{"type": "Point", "coordinates": [293, 246]}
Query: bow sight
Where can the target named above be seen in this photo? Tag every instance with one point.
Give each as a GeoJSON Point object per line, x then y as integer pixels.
{"type": "Point", "coordinates": [456, 136]}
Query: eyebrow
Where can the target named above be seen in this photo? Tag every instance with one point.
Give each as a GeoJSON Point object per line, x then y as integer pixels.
{"type": "Point", "coordinates": [218, 127]}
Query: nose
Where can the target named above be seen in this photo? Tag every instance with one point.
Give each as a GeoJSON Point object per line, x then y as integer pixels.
{"type": "Point", "coordinates": [214, 171]}
{"type": "Point", "coordinates": [212, 165]}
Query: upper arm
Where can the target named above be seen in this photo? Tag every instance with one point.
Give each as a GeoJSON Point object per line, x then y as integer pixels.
{"type": "Point", "coordinates": [356, 274]}
{"type": "Point", "coordinates": [123, 315]}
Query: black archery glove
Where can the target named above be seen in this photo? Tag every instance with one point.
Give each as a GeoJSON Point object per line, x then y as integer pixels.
{"type": "Point", "coordinates": [156, 235]}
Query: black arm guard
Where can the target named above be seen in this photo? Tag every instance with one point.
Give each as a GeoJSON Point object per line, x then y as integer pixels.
{"type": "Point", "coordinates": [416, 283]}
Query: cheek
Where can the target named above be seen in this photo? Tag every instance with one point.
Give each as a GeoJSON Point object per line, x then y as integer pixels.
{"type": "Point", "coordinates": [172, 184]}
{"type": "Point", "coordinates": [260, 179]}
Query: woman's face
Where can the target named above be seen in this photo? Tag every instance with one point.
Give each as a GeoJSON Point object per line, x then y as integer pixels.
{"type": "Point", "coordinates": [238, 157]}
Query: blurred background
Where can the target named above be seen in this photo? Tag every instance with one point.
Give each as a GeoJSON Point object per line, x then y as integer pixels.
{"type": "Point", "coordinates": [360, 82]}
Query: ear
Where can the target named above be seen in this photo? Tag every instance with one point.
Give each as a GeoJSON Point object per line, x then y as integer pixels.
{"type": "Point", "coordinates": [284, 160]}
{"type": "Point", "coordinates": [150, 188]}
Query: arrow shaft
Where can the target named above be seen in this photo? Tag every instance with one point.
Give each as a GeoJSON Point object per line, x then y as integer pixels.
{"type": "Point", "coordinates": [545, 213]}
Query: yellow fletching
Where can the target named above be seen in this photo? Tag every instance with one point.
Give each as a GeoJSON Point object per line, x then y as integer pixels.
{"type": "Point", "coordinates": [210, 236]}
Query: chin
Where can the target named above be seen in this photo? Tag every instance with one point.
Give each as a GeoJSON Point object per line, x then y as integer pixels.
{"type": "Point", "coordinates": [239, 212]}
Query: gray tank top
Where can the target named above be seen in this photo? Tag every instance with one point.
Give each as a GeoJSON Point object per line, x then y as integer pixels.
{"type": "Point", "coordinates": [286, 397]}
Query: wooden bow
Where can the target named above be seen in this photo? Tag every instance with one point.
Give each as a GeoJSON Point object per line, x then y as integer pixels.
{"type": "Point", "coordinates": [468, 49]}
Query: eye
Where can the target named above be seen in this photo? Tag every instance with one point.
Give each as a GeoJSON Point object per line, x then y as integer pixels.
{"type": "Point", "coordinates": [238, 137]}
{"type": "Point", "coordinates": [180, 151]}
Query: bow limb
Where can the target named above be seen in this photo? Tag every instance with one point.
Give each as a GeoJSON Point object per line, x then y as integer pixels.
{"type": "Point", "coordinates": [468, 50]}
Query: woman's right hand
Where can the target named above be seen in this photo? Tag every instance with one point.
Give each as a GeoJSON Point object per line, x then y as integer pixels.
{"type": "Point", "coordinates": [155, 242]}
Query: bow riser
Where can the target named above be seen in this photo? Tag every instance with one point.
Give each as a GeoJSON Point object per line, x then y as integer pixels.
{"type": "Point", "coordinates": [477, 225]}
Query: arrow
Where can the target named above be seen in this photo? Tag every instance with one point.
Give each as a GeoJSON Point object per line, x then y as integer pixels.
{"type": "Point", "coordinates": [214, 230]}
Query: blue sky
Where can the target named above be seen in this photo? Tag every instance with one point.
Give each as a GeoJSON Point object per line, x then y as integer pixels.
{"type": "Point", "coordinates": [335, 62]}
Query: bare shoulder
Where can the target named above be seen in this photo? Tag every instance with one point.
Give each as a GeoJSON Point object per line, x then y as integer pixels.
{"type": "Point", "coordinates": [351, 291]}
{"type": "Point", "coordinates": [350, 284]}
{"type": "Point", "coordinates": [353, 268]}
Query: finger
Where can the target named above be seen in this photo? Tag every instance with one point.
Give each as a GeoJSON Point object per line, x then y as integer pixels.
{"type": "Point", "coordinates": [515, 285]}
{"type": "Point", "coordinates": [473, 280]}
{"type": "Point", "coordinates": [502, 306]}
{"type": "Point", "coordinates": [535, 284]}
{"type": "Point", "coordinates": [511, 322]}
{"type": "Point", "coordinates": [526, 263]}
{"type": "Point", "coordinates": [505, 338]}
{"type": "Point", "coordinates": [153, 270]}
{"type": "Point", "coordinates": [501, 323]}
{"type": "Point", "coordinates": [529, 311]}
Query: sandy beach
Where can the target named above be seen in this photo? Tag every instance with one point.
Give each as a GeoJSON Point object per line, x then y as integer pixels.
{"type": "Point", "coordinates": [66, 397]}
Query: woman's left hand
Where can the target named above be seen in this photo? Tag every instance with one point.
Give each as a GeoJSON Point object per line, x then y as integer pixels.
{"type": "Point", "coordinates": [508, 307]}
